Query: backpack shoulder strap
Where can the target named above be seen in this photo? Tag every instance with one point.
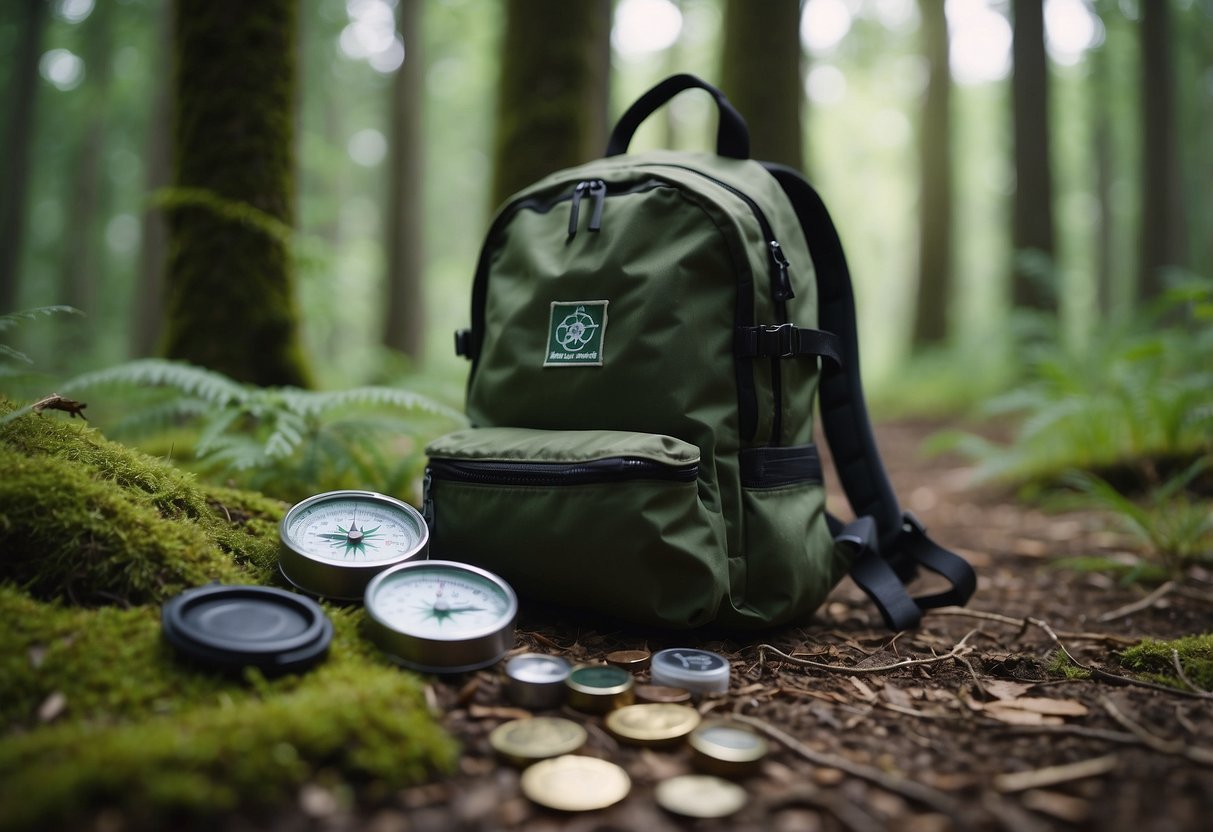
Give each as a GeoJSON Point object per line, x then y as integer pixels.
{"type": "Point", "coordinates": [892, 544]}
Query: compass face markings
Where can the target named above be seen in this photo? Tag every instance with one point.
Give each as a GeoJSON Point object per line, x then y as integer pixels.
{"type": "Point", "coordinates": [428, 603]}
{"type": "Point", "coordinates": [352, 530]}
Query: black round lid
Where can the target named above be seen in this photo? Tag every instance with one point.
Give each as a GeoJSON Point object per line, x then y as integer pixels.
{"type": "Point", "coordinates": [232, 627]}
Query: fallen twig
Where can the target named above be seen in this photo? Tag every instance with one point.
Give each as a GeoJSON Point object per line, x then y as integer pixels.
{"type": "Point", "coordinates": [898, 785]}
{"type": "Point", "coordinates": [1139, 605]}
{"type": "Point", "coordinates": [1179, 748]}
{"type": "Point", "coordinates": [848, 814]}
{"type": "Point", "coordinates": [960, 649]}
{"type": "Point", "coordinates": [1024, 623]}
{"type": "Point", "coordinates": [1183, 676]}
{"type": "Point", "coordinates": [1021, 781]}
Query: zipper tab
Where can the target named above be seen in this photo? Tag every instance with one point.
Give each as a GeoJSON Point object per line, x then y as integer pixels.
{"type": "Point", "coordinates": [427, 498]}
{"type": "Point", "coordinates": [783, 282]}
{"type": "Point", "coordinates": [597, 189]}
{"type": "Point", "coordinates": [575, 206]}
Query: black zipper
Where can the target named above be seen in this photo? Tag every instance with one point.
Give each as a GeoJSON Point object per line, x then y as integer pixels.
{"type": "Point", "coordinates": [554, 474]}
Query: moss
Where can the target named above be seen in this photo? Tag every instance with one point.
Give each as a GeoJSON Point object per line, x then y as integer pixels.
{"type": "Point", "coordinates": [1154, 660]}
{"type": "Point", "coordinates": [93, 538]}
{"type": "Point", "coordinates": [1061, 665]}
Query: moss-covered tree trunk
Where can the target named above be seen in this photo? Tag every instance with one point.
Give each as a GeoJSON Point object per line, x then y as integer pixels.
{"type": "Point", "coordinates": [935, 183]}
{"type": "Point", "coordinates": [230, 296]}
{"type": "Point", "coordinates": [552, 93]}
{"type": "Point", "coordinates": [761, 75]}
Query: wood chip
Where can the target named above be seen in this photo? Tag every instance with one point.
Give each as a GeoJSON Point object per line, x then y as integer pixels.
{"type": "Point", "coordinates": [52, 707]}
{"type": "Point", "coordinates": [1063, 807]}
{"type": "Point", "coordinates": [1055, 775]}
{"type": "Point", "coordinates": [497, 712]}
{"type": "Point", "coordinates": [1005, 689]}
{"type": "Point", "coordinates": [865, 692]}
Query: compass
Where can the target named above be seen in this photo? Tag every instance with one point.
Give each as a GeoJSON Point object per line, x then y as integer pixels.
{"type": "Point", "coordinates": [439, 616]}
{"type": "Point", "coordinates": [332, 544]}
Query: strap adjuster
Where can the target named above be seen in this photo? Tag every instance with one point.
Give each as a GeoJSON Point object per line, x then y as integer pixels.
{"type": "Point", "coordinates": [779, 340]}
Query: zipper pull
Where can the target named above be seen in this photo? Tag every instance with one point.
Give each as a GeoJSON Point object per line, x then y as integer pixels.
{"type": "Point", "coordinates": [427, 499]}
{"type": "Point", "coordinates": [574, 208]}
{"type": "Point", "coordinates": [597, 189]}
{"type": "Point", "coordinates": [783, 282]}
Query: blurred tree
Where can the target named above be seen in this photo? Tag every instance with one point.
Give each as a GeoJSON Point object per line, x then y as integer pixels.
{"type": "Point", "coordinates": [83, 266]}
{"type": "Point", "coordinates": [1163, 235]}
{"type": "Point", "coordinates": [553, 90]}
{"type": "Point", "coordinates": [404, 328]}
{"type": "Point", "coordinates": [148, 323]}
{"type": "Point", "coordinates": [761, 75]}
{"type": "Point", "coordinates": [230, 277]}
{"type": "Point", "coordinates": [1101, 154]}
{"type": "Point", "coordinates": [935, 183]}
{"type": "Point", "coordinates": [1032, 226]}
{"type": "Point", "coordinates": [17, 125]}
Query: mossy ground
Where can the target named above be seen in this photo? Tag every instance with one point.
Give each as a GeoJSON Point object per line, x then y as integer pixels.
{"type": "Point", "coordinates": [98, 713]}
{"type": "Point", "coordinates": [1155, 660]}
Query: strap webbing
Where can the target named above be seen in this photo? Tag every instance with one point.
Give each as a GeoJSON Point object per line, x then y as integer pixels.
{"type": "Point", "coordinates": [787, 341]}
{"type": "Point", "coordinates": [889, 558]}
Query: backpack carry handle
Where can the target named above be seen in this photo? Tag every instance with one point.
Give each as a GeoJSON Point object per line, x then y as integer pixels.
{"type": "Point", "coordinates": [732, 135]}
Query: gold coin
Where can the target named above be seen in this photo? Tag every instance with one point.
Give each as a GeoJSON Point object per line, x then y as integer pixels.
{"type": "Point", "coordinates": [632, 660]}
{"type": "Point", "coordinates": [523, 741]}
{"type": "Point", "coordinates": [700, 796]}
{"type": "Point", "coordinates": [575, 784]}
{"type": "Point", "coordinates": [652, 724]}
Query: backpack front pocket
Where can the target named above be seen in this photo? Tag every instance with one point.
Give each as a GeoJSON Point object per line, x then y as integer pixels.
{"type": "Point", "coordinates": [609, 521]}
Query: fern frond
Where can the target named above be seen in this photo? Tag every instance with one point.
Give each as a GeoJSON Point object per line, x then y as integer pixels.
{"type": "Point", "coordinates": [316, 404]}
{"type": "Point", "coordinates": [16, 355]}
{"type": "Point", "coordinates": [13, 319]}
{"type": "Point", "coordinates": [213, 388]}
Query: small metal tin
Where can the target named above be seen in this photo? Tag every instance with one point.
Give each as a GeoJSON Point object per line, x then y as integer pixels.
{"type": "Point", "coordinates": [652, 724]}
{"type": "Point", "coordinates": [575, 784]}
{"type": "Point", "coordinates": [699, 671]}
{"type": "Point", "coordinates": [599, 688]}
{"type": "Point", "coordinates": [699, 796]}
{"type": "Point", "coordinates": [524, 741]}
{"type": "Point", "coordinates": [726, 748]}
{"type": "Point", "coordinates": [535, 680]}
{"type": "Point", "coordinates": [662, 693]}
{"type": "Point", "coordinates": [631, 660]}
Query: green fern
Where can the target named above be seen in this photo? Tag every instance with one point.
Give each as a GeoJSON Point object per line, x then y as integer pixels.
{"type": "Point", "coordinates": [284, 441]}
{"type": "Point", "coordinates": [15, 319]}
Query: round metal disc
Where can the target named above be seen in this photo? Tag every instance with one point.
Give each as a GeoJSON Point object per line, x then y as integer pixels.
{"type": "Point", "coordinates": [700, 796]}
{"type": "Point", "coordinates": [332, 544]}
{"type": "Point", "coordinates": [523, 741]}
{"type": "Point", "coordinates": [575, 784]}
{"type": "Point", "coordinates": [652, 724]}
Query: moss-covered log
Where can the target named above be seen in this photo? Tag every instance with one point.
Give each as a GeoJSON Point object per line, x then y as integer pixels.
{"type": "Point", "coordinates": [97, 713]}
{"type": "Point", "coordinates": [230, 280]}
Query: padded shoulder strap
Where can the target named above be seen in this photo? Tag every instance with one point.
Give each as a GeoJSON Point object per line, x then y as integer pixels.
{"type": "Point", "coordinates": [890, 558]}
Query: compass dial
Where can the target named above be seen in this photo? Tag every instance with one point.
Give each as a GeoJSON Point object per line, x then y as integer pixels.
{"type": "Point", "coordinates": [334, 543]}
{"type": "Point", "coordinates": [441, 616]}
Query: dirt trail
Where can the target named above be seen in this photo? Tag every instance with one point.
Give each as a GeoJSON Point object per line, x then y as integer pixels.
{"type": "Point", "coordinates": [977, 734]}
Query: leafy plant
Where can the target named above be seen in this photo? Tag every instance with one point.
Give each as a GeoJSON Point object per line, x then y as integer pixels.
{"type": "Point", "coordinates": [283, 441]}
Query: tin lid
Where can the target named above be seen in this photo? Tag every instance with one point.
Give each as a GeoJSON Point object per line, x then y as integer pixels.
{"type": "Point", "coordinates": [699, 671]}
{"type": "Point", "coordinates": [228, 628]}
{"type": "Point", "coordinates": [523, 741]}
{"type": "Point", "coordinates": [536, 680]}
{"type": "Point", "coordinates": [631, 660]}
{"type": "Point", "coordinates": [662, 693]}
{"type": "Point", "coordinates": [575, 784]}
{"type": "Point", "coordinates": [726, 747]}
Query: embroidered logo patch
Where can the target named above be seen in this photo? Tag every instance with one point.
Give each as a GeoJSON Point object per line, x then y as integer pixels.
{"type": "Point", "coordinates": [575, 334]}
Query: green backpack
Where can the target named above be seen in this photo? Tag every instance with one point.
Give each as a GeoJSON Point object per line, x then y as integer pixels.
{"type": "Point", "coordinates": [648, 334]}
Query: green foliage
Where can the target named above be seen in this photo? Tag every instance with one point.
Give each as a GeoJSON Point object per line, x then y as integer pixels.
{"type": "Point", "coordinates": [1139, 394]}
{"type": "Point", "coordinates": [93, 538]}
{"type": "Point", "coordinates": [281, 440]}
{"type": "Point", "coordinates": [1061, 664]}
{"type": "Point", "coordinates": [1156, 660]}
{"type": "Point", "coordinates": [10, 321]}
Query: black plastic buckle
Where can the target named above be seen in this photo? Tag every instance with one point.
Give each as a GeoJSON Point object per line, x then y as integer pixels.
{"type": "Point", "coordinates": [463, 343]}
{"type": "Point", "coordinates": [780, 340]}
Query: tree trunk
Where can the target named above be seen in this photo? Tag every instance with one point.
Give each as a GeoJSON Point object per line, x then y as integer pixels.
{"type": "Point", "coordinates": [147, 325]}
{"type": "Point", "coordinates": [230, 279]}
{"type": "Point", "coordinates": [761, 75]}
{"type": "Point", "coordinates": [18, 133]}
{"type": "Point", "coordinates": [1101, 152]}
{"type": "Point", "coordinates": [84, 259]}
{"type": "Point", "coordinates": [1033, 283]}
{"type": "Point", "coordinates": [405, 325]}
{"type": "Point", "coordinates": [1163, 237]}
{"type": "Point", "coordinates": [552, 93]}
{"type": "Point", "coordinates": [935, 184]}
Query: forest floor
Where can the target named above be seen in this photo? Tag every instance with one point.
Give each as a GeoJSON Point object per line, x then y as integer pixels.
{"type": "Point", "coordinates": [982, 732]}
